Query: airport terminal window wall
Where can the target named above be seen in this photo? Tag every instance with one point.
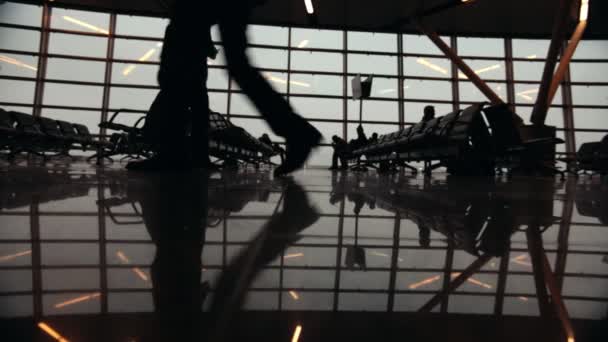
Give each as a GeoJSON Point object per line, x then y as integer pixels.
{"type": "Point", "coordinates": [89, 64]}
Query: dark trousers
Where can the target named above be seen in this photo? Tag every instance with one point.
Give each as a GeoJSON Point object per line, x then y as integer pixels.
{"type": "Point", "coordinates": [178, 119]}
{"type": "Point", "coordinates": [338, 155]}
{"type": "Point", "coordinates": [271, 105]}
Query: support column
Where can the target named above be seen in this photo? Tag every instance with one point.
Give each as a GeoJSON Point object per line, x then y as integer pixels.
{"type": "Point", "coordinates": [510, 73]}
{"type": "Point", "coordinates": [562, 69]}
{"type": "Point", "coordinates": [539, 113]}
{"type": "Point", "coordinates": [455, 81]}
{"type": "Point", "coordinates": [108, 73]}
{"type": "Point", "coordinates": [451, 54]}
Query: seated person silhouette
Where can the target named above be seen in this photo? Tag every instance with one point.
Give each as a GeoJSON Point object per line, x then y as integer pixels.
{"type": "Point", "coordinates": [360, 141]}
{"type": "Point", "coordinates": [275, 147]}
{"type": "Point", "coordinates": [429, 113]}
{"type": "Point", "coordinates": [373, 138]}
{"type": "Point", "coordinates": [341, 150]}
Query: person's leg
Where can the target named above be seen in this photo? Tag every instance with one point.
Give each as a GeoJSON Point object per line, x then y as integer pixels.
{"type": "Point", "coordinates": [300, 136]}
{"type": "Point", "coordinates": [334, 160]}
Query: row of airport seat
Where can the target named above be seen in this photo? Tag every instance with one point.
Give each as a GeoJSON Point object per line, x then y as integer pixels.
{"type": "Point", "coordinates": [592, 157]}
{"type": "Point", "coordinates": [230, 142]}
{"type": "Point", "coordinates": [20, 132]}
{"type": "Point", "coordinates": [475, 140]}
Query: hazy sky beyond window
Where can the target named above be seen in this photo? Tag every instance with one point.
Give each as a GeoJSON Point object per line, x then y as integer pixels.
{"type": "Point", "coordinates": [313, 73]}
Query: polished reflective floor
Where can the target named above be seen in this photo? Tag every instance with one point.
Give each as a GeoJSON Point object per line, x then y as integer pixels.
{"type": "Point", "coordinates": [99, 254]}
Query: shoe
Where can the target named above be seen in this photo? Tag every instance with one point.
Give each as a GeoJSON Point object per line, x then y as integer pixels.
{"type": "Point", "coordinates": [298, 149]}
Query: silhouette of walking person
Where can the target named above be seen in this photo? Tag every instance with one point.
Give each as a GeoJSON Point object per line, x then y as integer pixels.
{"type": "Point", "coordinates": [184, 75]}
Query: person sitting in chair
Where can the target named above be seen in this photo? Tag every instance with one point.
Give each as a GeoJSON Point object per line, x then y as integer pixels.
{"type": "Point", "coordinates": [373, 138]}
{"type": "Point", "coordinates": [429, 113]}
{"type": "Point", "coordinates": [275, 147]}
{"type": "Point", "coordinates": [341, 150]}
{"type": "Point", "coordinates": [360, 141]}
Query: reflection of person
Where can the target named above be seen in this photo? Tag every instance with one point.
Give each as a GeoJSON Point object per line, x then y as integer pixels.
{"type": "Point", "coordinates": [429, 113]}
{"type": "Point", "coordinates": [275, 147]}
{"type": "Point", "coordinates": [341, 151]}
{"type": "Point", "coordinates": [174, 210]}
{"type": "Point", "coordinates": [277, 234]}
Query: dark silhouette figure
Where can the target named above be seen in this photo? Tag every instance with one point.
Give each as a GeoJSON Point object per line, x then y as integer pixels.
{"type": "Point", "coordinates": [277, 234]}
{"type": "Point", "coordinates": [360, 141]}
{"type": "Point", "coordinates": [188, 45]}
{"type": "Point", "coordinates": [276, 147]}
{"type": "Point", "coordinates": [373, 138]}
{"type": "Point", "coordinates": [341, 150]}
{"type": "Point", "coordinates": [174, 211]}
{"type": "Point", "coordinates": [429, 113]}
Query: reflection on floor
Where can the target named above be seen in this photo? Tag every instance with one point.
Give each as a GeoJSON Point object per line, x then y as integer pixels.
{"type": "Point", "coordinates": [88, 254]}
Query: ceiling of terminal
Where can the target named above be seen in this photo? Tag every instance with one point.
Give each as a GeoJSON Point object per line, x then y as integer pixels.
{"type": "Point", "coordinates": [512, 18]}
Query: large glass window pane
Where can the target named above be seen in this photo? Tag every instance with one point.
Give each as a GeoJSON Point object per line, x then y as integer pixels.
{"type": "Point", "coordinates": [321, 39]}
{"type": "Point", "coordinates": [268, 58]}
{"type": "Point", "coordinates": [376, 42]}
{"type": "Point", "coordinates": [142, 74]}
{"type": "Point", "coordinates": [486, 70]}
{"type": "Point", "coordinates": [591, 118]}
{"type": "Point", "coordinates": [141, 26]}
{"type": "Point", "coordinates": [75, 70]}
{"type": "Point", "coordinates": [426, 67]}
{"type": "Point", "coordinates": [414, 111]}
{"type": "Point", "coordinates": [591, 49]}
{"type": "Point", "coordinates": [73, 20]}
{"type": "Point", "coordinates": [431, 90]}
{"type": "Point", "coordinates": [484, 47]}
{"type": "Point", "coordinates": [590, 95]}
{"type": "Point", "coordinates": [530, 48]}
{"type": "Point", "coordinates": [70, 95]}
{"type": "Point", "coordinates": [268, 35]}
{"type": "Point", "coordinates": [316, 84]}
{"type": "Point", "coordinates": [17, 91]}
{"type": "Point", "coordinates": [18, 65]}
{"type": "Point", "coordinates": [137, 50]}
{"type": "Point", "coordinates": [318, 107]}
{"type": "Point", "coordinates": [322, 155]}
{"type": "Point", "coordinates": [381, 87]}
{"type": "Point", "coordinates": [73, 45]}
{"type": "Point", "coordinates": [374, 110]}
{"type": "Point", "coordinates": [316, 61]}
{"type": "Point", "coordinates": [470, 93]}
{"type": "Point", "coordinates": [88, 118]}
{"type": "Point", "coordinates": [422, 45]}
{"type": "Point", "coordinates": [527, 93]}
{"type": "Point", "coordinates": [528, 71]}
{"type": "Point", "coordinates": [218, 102]}
{"type": "Point", "coordinates": [132, 98]}
{"type": "Point", "coordinates": [372, 64]}
{"type": "Point", "coordinates": [21, 40]}
{"type": "Point", "coordinates": [589, 72]}
{"type": "Point", "coordinates": [278, 81]}
{"type": "Point", "coordinates": [20, 14]}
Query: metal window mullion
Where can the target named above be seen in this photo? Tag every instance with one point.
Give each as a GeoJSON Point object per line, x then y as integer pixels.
{"type": "Point", "coordinates": [454, 80]}
{"type": "Point", "coordinates": [43, 49]}
{"type": "Point", "coordinates": [108, 73]}
{"type": "Point", "coordinates": [568, 111]}
{"type": "Point", "coordinates": [345, 85]}
{"type": "Point", "coordinates": [510, 73]}
{"type": "Point", "coordinates": [400, 81]}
